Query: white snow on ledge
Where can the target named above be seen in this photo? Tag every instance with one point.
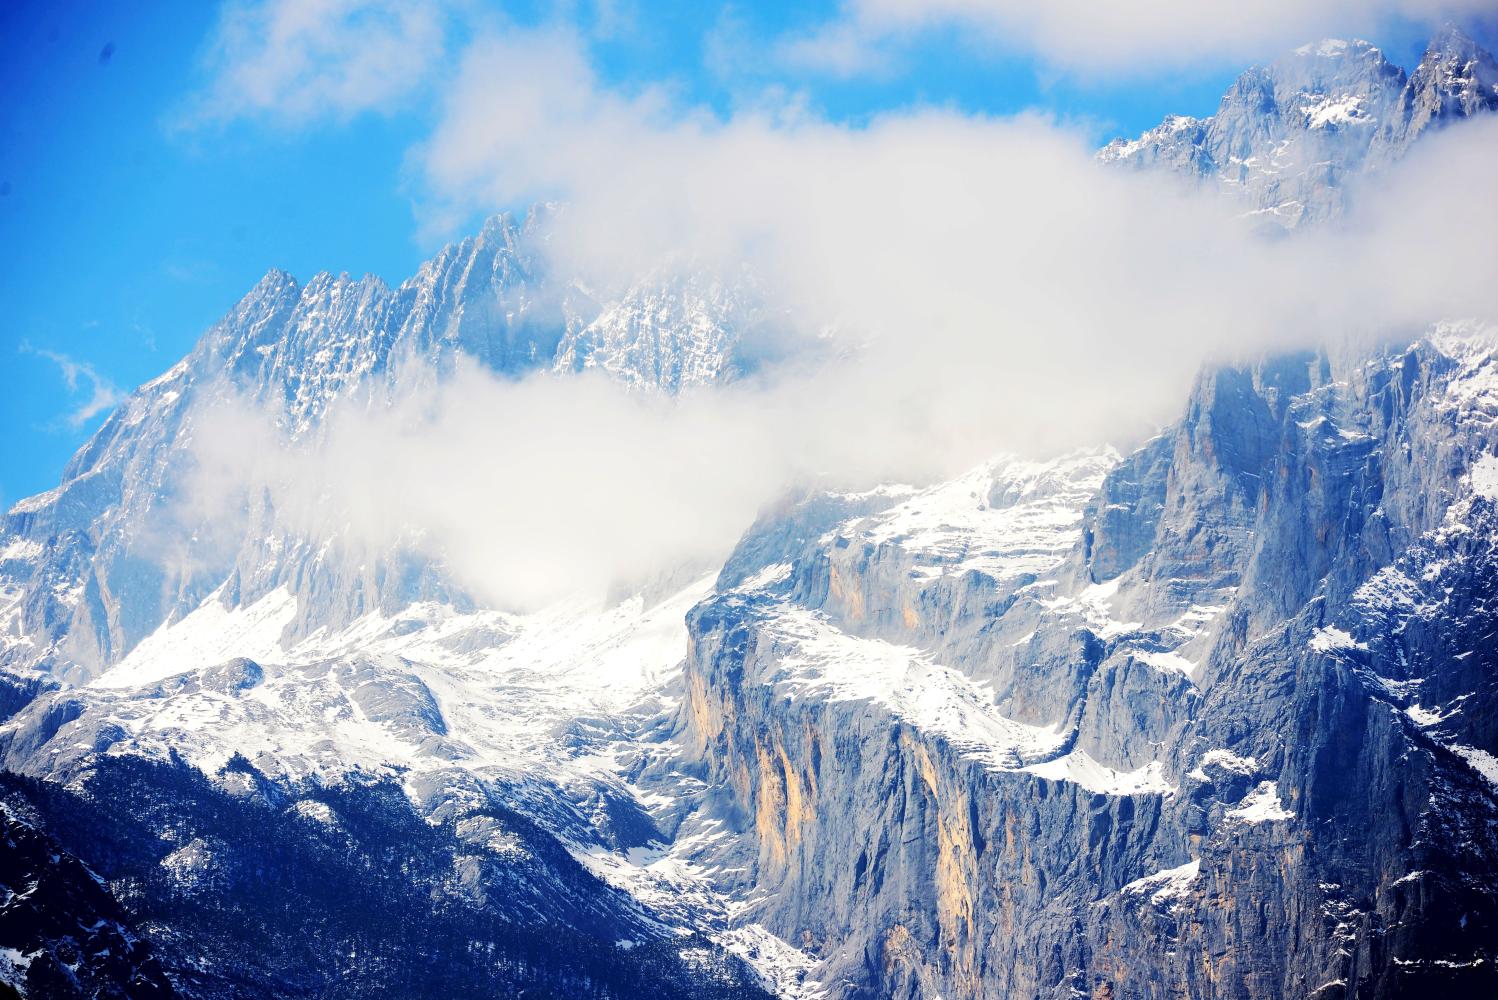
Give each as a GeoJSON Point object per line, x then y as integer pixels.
{"type": "Point", "coordinates": [1225, 759]}
{"type": "Point", "coordinates": [767, 577]}
{"type": "Point", "coordinates": [954, 527]}
{"type": "Point", "coordinates": [21, 550]}
{"type": "Point", "coordinates": [1168, 663]}
{"type": "Point", "coordinates": [1482, 762]}
{"type": "Point", "coordinates": [1484, 477]}
{"type": "Point", "coordinates": [1423, 717]}
{"type": "Point", "coordinates": [1262, 805]}
{"type": "Point", "coordinates": [1331, 639]}
{"type": "Point", "coordinates": [1165, 885]}
{"type": "Point", "coordinates": [1079, 768]}
{"type": "Point", "coordinates": [812, 657]}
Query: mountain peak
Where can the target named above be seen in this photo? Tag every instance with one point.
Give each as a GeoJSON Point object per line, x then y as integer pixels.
{"type": "Point", "coordinates": [1453, 40]}
{"type": "Point", "coordinates": [274, 280]}
{"type": "Point", "coordinates": [1456, 79]}
{"type": "Point", "coordinates": [1288, 133]}
{"type": "Point", "coordinates": [1333, 62]}
{"type": "Point", "coordinates": [1334, 50]}
{"type": "Point", "coordinates": [1327, 48]}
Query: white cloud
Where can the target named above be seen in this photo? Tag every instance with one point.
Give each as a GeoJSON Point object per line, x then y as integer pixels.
{"type": "Point", "coordinates": [299, 61]}
{"type": "Point", "coordinates": [102, 394]}
{"type": "Point", "coordinates": [995, 290]}
{"type": "Point", "coordinates": [991, 287]}
{"type": "Point", "coordinates": [1089, 37]}
{"type": "Point", "coordinates": [993, 239]}
{"type": "Point", "coordinates": [1004, 290]}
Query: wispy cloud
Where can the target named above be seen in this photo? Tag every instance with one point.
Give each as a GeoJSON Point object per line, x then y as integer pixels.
{"type": "Point", "coordinates": [100, 394]}
{"type": "Point", "coordinates": [1089, 38]}
{"type": "Point", "coordinates": [302, 61]}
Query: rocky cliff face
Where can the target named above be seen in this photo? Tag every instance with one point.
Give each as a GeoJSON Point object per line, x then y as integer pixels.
{"type": "Point", "coordinates": [1287, 136]}
{"type": "Point", "coordinates": [971, 762]}
{"type": "Point", "coordinates": [673, 332]}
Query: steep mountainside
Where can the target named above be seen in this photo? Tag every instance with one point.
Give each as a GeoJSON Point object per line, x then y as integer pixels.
{"type": "Point", "coordinates": [340, 891]}
{"type": "Point", "coordinates": [1251, 703]}
{"type": "Point", "coordinates": [1216, 718]}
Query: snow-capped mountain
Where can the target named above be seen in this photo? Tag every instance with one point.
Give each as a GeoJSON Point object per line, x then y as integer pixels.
{"type": "Point", "coordinates": [1214, 718]}
{"type": "Point", "coordinates": [90, 569]}
{"type": "Point", "coordinates": [1288, 135]}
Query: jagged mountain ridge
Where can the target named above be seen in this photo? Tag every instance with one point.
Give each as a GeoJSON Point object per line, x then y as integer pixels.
{"type": "Point", "coordinates": [1048, 729]}
{"type": "Point", "coordinates": [91, 568]}
{"type": "Point", "coordinates": [1287, 136]}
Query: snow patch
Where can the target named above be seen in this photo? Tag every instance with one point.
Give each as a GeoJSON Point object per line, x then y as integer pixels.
{"type": "Point", "coordinates": [1327, 111]}
{"type": "Point", "coordinates": [1423, 717]}
{"type": "Point", "coordinates": [1331, 639]}
{"type": "Point", "coordinates": [1165, 885]}
{"type": "Point", "coordinates": [316, 811]}
{"type": "Point", "coordinates": [20, 549]}
{"type": "Point", "coordinates": [1228, 761]}
{"type": "Point", "coordinates": [210, 635]}
{"type": "Point", "coordinates": [813, 657]}
{"type": "Point", "coordinates": [1482, 762]}
{"type": "Point", "coordinates": [1168, 663]}
{"type": "Point", "coordinates": [784, 970]}
{"type": "Point", "coordinates": [767, 577]}
{"type": "Point", "coordinates": [1007, 519]}
{"type": "Point", "coordinates": [1079, 768]}
{"type": "Point", "coordinates": [1484, 477]}
{"type": "Point", "coordinates": [1262, 805]}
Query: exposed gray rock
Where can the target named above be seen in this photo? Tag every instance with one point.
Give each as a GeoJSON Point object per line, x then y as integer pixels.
{"type": "Point", "coordinates": [1325, 819]}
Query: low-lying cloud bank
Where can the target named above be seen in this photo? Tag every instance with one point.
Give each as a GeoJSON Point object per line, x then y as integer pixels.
{"type": "Point", "coordinates": [933, 224]}
{"type": "Point", "coordinates": [989, 287]}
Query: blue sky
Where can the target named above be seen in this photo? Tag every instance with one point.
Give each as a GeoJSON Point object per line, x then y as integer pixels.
{"type": "Point", "coordinates": [143, 196]}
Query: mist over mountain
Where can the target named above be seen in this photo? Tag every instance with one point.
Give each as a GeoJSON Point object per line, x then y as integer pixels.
{"type": "Point", "coordinates": [1071, 578]}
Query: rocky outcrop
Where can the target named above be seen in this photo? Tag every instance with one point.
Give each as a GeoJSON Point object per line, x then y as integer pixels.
{"type": "Point", "coordinates": [672, 332]}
